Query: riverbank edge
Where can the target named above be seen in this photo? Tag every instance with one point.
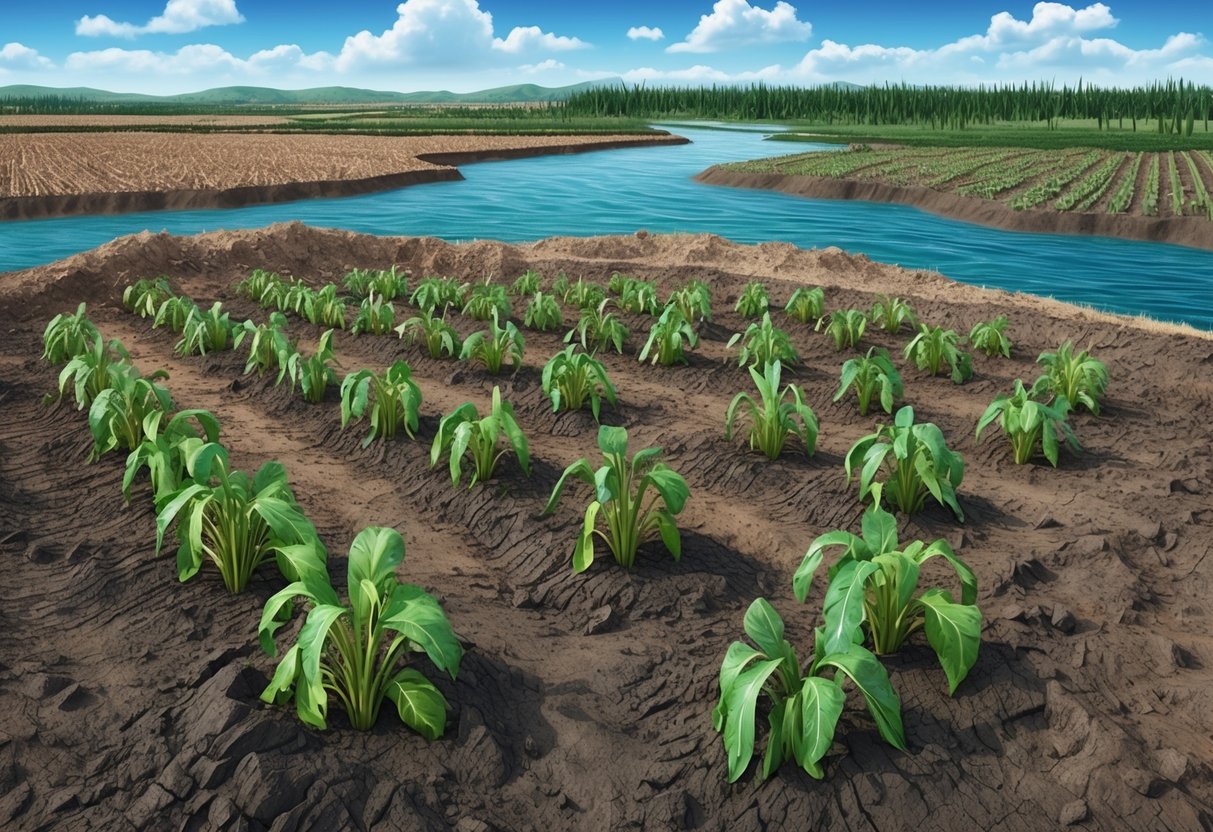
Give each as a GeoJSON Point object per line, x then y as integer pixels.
{"type": "Point", "coordinates": [446, 170]}
{"type": "Point", "coordinates": [1193, 232]}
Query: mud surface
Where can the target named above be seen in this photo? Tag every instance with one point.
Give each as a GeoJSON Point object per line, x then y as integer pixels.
{"type": "Point", "coordinates": [1196, 232]}
{"type": "Point", "coordinates": [60, 174]}
{"type": "Point", "coordinates": [130, 700]}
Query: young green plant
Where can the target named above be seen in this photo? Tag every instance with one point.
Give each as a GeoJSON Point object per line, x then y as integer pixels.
{"type": "Point", "coordinates": [806, 699]}
{"type": "Point", "coordinates": [117, 414]}
{"type": "Point", "coordinates": [806, 304]}
{"type": "Point", "coordinates": [866, 376]}
{"type": "Point", "coordinates": [667, 338]}
{"type": "Point", "coordinates": [462, 432]}
{"type": "Point", "coordinates": [543, 313]}
{"type": "Point", "coordinates": [494, 346]}
{"type": "Point", "coordinates": [763, 343]}
{"type": "Point", "coordinates": [873, 596]}
{"type": "Point", "coordinates": [1082, 379]}
{"type": "Point", "coordinates": [574, 379]}
{"type": "Point", "coordinates": [487, 299]}
{"type": "Point", "coordinates": [67, 336]}
{"type": "Point", "coordinates": [1030, 424]}
{"type": "Point", "coordinates": [527, 284]}
{"type": "Point", "coordinates": [844, 327]}
{"type": "Point", "coordinates": [165, 449]}
{"type": "Point", "coordinates": [439, 337]}
{"type": "Point", "coordinates": [915, 460]}
{"type": "Point", "coordinates": [143, 297]}
{"type": "Point", "coordinates": [375, 315]}
{"type": "Point", "coordinates": [358, 652]}
{"type": "Point", "coordinates": [776, 415]}
{"type": "Point", "coordinates": [891, 313]}
{"type": "Point", "coordinates": [934, 347]}
{"type": "Point", "coordinates": [621, 487]}
{"type": "Point", "coordinates": [313, 374]}
{"type": "Point", "coordinates": [991, 338]}
{"type": "Point", "coordinates": [392, 397]}
{"type": "Point", "coordinates": [753, 301]}
{"type": "Point", "coordinates": [204, 332]}
{"type": "Point", "coordinates": [599, 329]}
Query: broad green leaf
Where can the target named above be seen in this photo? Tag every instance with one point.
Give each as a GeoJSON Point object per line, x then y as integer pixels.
{"type": "Point", "coordinates": [579, 469]}
{"type": "Point", "coordinates": [843, 609]}
{"type": "Point", "coordinates": [613, 440]}
{"type": "Point", "coordinates": [954, 632]}
{"type": "Point", "coordinates": [670, 536]}
{"type": "Point", "coordinates": [583, 553]}
{"type": "Point", "coordinates": [739, 721]}
{"type": "Point", "coordinates": [774, 754]}
{"type": "Point", "coordinates": [672, 487]}
{"type": "Point", "coordinates": [739, 656]}
{"type": "Point", "coordinates": [821, 703]}
{"type": "Point", "coordinates": [803, 578]}
{"type": "Point", "coordinates": [765, 627]}
{"type": "Point", "coordinates": [879, 530]}
{"type": "Point", "coordinates": [422, 621]}
{"type": "Point", "coordinates": [421, 706]}
{"type": "Point", "coordinates": [869, 675]}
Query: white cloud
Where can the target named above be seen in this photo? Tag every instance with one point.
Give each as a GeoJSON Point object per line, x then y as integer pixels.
{"type": "Point", "coordinates": [179, 17]}
{"type": "Point", "coordinates": [1052, 44]}
{"type": "Point", "coordinates": [444, 34]}
{"type": "Point", "coordinates": [19, 56]}
{"type": "Point", "coordinates": [550, 65]}
{"type": "Point", "coordinates": [646, 33]}
{"type": "Point", "coordinates": [735, 23]}
{"type": "Point", "coordinates": [532, 38]}
{"type": "Point", "coordinates": [199, 59]}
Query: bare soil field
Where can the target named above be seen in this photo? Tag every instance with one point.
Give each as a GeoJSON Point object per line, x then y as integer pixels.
{"type": "Point", "coordinates": [1076, 191]}
{"type": "Point", "coordinates": [27, 121]}
{"type": "Point", "coordinates": [130, 700]}
{"type": "Point", "coordinates": [55, 174]}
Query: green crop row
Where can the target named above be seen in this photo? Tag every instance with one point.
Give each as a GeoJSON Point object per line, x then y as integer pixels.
{"type": "Point", "coordinates": [1091, 187]}
{"type": "Point", "coordinates": [1123, 196]}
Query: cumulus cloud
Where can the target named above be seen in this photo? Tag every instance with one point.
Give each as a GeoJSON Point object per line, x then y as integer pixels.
{"type": "Point", "coordinates": [735, 23]}
{"type": "Point", "coordinates": [179, 17]}
{"type": "Point", "coordinates": [1055, 42]}
{"type": "Point", "coordinates": [200, 59]}
{"type": "Point", "coordinates": [19, 56]}
{"type": "Point", "coordinates": [645, 33]}
{"type": "Point", "coordinates": [550, 65]}
{"type": "Point", "coordinates": [443, 34]}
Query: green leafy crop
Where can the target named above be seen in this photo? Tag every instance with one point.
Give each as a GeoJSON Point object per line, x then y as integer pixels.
{"type": "Point", "coordinates": [1080, 378]}
{"type": "Point", "coordinates": [806, 700]}
{"type": "Point", "coordinates": [356, 652]}
{"type": "Point", "coordinates": [260, 286]}
{"type": "Point", "coordinates": [204, 332]}
{"type": "Point", "coordinates": [486, 300]}
{"type": "Point", "coordinates": [439, 337]}
{"type": "Point", "coordinates": [392, 397]}
{"type": "Point", "coordinates": [638, 297]}
{"type": "Point", "coordinates": [174, 313]}
{"type": "Point", "coordinates": [494, 346]}
{"type": "Point", "coordinates": [574, 379]}
{"type": "Point", "coordinates": [527, 284]}
{"type": "Point", "coordinates": [143, 297]}
{"type": "Point", "coordinates": [806, 304]}
{"type": "Point", "coordinates": [916, 462]}
{"type": "Point", "coordinates": [620, 490]}
{"type": "Point", "coordinates": [845, 327]}
{"type": "Point", "coordinates": [116, 415]}
{"type": "Point", "coordinates": [934, 347]}
{"type": "Point", "coordinates": [667, 337]}
{"type": "Point", "coordinates": [990, 337]}
{"type": "Point", "coordinates": [67, 336]}
{"type": "Point", "coordinates": [890, 313]}
{"type": "Point", "coordinates": [598, 329]}
{"type": "Point", "coordinates": [1030, 424]}
{"type": "Point", "coordinates": [752, 301]}
{"type": "Point", "coordinates": [375, 315]}
{"type": "Point", "coordinates": [388, 284]}
{"type": "Point", "coordinates": [867, 375]}
{"type": "Point", "coordinates": [96, 369]}
{"type": "Point", "coordinates": [269, 346]}
{"type": "Point", "coordinates": [463, 433]}
{"type": "Point", "coordinates": [165, 448]}
{"type": "Point", "coordinates": [694, 300]}
{"type": "Point", "coordinates": [437, 293]}
{"type": "Point", "coordinates": [776, 415]}
{"type": "Point", "coordinates": [543, 313]}
{"type": "Point", "coordinates": [324, 308]}
{"type": "Point", "coordinates": [235, 521]}
{"type": "Point", "coordinates": [585, 295]}
{"type": "Point", "coordinates": [763, 343]}
{"type": "Point", "coordinates": [873, 595]}
{"type": "Point", "coordinates": [313, 374]}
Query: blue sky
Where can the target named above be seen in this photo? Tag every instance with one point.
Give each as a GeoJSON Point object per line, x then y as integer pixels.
{"type": "Point", "coordinates": [167, 46]}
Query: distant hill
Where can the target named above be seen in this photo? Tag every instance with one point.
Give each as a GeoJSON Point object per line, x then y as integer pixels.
{"type": "Point", "coordinates": [268, 96]}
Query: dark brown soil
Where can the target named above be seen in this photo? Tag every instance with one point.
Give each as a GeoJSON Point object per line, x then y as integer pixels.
{"type": "Point", "coordinates": [131, 700]}
{"type": "Point", "coordinates": [1185, 231]}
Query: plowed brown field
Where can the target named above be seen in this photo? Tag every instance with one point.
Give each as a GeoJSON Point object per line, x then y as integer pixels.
{"type": "Point", "coordinates": [130, 700]}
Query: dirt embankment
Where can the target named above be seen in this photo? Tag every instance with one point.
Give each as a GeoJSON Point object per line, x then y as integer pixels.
{"type": "Point", "coordinates": [61, 174]}
{"type": "Point", "coordinates": [1184, 231]}
{"type": "Point", "coordinates": [130, 701]}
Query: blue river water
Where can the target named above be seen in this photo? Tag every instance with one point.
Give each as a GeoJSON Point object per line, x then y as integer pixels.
{"type": "Point", "coordinates": [620, 191]}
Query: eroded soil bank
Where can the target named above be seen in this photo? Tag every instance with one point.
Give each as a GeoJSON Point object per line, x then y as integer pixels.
{"type": "Point", "coordinates": [1184, 231]}
{"type": "Point", "coordinates": [129, 700]}
{"type": "Point", "coordinates": [61, 174]}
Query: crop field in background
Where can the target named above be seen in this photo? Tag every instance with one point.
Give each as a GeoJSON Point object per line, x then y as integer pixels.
{"type": "Point", "coordinates": [1171, 184]}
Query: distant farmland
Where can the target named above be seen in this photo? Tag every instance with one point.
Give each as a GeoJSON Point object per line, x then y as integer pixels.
{"type": "Point", "coordinates": [1079, 180]}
